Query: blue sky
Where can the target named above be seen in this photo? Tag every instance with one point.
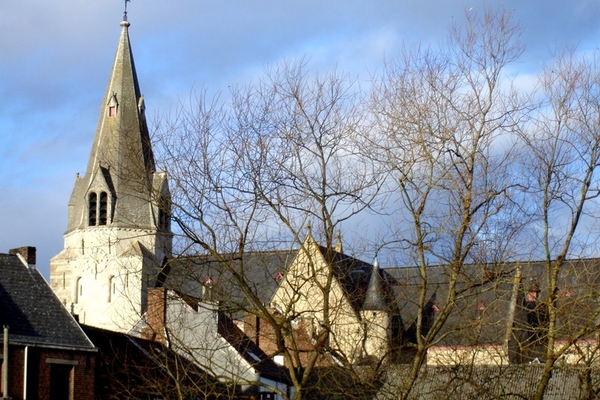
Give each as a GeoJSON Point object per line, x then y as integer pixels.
{"type": "Point", "coordinates": [55, 57]}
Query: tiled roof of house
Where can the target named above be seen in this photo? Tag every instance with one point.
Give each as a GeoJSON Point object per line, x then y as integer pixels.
{"type": "Point", "coordinates": [260, 271]}
{"type": "Point", "coordinates": [248, 349]}
{"type": "Point", "coordinates": [31, 310]}
{"type": "Point", "coordinates": [485, 294]}
{"type": "Point", "coordinates": [355, 275]}
{"type": "Point", "coordinates": [131, 367]}
{"type": "Point", "coordinates": [488, 382]}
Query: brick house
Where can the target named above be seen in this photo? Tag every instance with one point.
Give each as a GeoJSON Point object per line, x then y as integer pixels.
{"type": "Point", "coordinates": [49, 356]}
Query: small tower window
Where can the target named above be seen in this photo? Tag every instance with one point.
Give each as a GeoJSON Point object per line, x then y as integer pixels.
{"type": "Point", "coordinates": [93, 209]}
{"type": "Point", "coordinates": [112, 288]}
{"type": "Point", "coordinates": [112, 105]}
{"type": "Point", "coordinates": [103, 208]}
{"type": "Point", "coordinates": [163, 214]}
{"type": "Point", "coordinates": [77, 290]}
{"type": "Point", "coordinates": [163, 220]}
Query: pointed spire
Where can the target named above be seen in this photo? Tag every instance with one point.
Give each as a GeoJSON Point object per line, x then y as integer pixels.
{"type": "Point", "coordinates": [375, 296]}
{"type": "Point", "coordinates": [122, 136]}
{"type": "Point", "coordinates": [121, 162]}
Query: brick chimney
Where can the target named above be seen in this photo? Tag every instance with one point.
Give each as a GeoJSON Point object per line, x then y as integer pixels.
{"type": "Point", "coordinates": [28, 254]}
{"type": "Point", "coordinates": [156, 315]}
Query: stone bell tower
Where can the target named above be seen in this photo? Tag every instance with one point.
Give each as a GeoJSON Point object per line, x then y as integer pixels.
{"type": "Point", "coordinates": [118, 232]}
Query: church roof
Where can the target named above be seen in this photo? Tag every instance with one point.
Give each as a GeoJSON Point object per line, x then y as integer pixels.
{"type": "Point", "coordinates": [122, 139]}
{"type": "Point", "coordinates": [261, 271]}
{"type": "Point", "coordinates": [121, 161]}
{"type": "Point", "coordinates": [375, 297]}
{"type": "Point", "coordinates": [33, 313]}
{"type": "Point", "coordinates": [355, 276]}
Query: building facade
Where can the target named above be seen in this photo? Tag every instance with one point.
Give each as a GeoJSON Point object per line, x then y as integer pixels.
{"type": "Point", "coordinates": [44, 352]}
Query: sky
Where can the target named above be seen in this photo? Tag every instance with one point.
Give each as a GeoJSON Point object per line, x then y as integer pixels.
{"type": "Point", "coordinates": [55, 59]}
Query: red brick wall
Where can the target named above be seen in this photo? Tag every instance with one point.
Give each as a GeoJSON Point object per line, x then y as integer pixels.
{"type": "Point", "coordinates": [83, 376]}
{"type": "Point", "coordinates": [155, 315]}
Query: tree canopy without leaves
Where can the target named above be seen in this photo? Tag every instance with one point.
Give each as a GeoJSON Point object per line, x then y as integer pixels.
{"type": "Point", "coordinates": [484, 192]}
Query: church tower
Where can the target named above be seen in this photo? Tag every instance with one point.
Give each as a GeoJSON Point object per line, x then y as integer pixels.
{"type": "Point", "coordinates": [118, 232]}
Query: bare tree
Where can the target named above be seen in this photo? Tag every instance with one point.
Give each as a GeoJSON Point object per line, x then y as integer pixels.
{"type": "Point", "coordinates": [255, 174]}
{"type": "Point", "coordinates": [437, 148]}
{"type": "Point", "coordinates": [564, 153]}
{"type": "Point", "coordinates": [445, 123]}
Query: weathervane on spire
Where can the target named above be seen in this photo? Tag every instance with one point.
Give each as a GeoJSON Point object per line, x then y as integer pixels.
{"type": "Point", "coordinates": [125, 13]}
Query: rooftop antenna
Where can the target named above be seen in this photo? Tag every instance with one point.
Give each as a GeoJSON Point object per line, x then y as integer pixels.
{"type": "Point", "coordinates": [125, 13]}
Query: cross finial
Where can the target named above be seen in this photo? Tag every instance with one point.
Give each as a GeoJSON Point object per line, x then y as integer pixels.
{"type": "Point", "coordinates": [125, 13]}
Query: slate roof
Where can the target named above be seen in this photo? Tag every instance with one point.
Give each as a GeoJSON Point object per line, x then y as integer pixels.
{"type": "Point", "coordinates": [482, 314]}
{"type": "Point", "coordinates": [121, 157]}
{"type": "Point", "coordinates": [355, 275]}
{"type": "Point", "coordinates": [261, 272]}
{"type": "Point", "coordinates": [487, 382]}
{"type": "Point", "coordinates": [33, 313]}
{"type": "Point", "coordinates": [248, 349]}
{"type": "Point", "coordinates": [131, 367]}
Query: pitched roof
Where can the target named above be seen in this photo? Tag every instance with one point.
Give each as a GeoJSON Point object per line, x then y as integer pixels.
{"type": "Point", "coordinates": [487, 382]}
{"type": "Point", "coordinates": [121, 158]}
{"type": "Point", "coordinates": [354, 275]}
{"type": "Point", "coordinates": [132, 367]}
{"type": "Point", "coordinates": [486, 293]}
{"type": "Point", "coordinates": [259, 271]}
{"type": "Point", "coordinates": [253, 354]}
{"type": "Point", "coordinates": [262, 271]}
{"type": "Point", "coordinates": [31, 310]}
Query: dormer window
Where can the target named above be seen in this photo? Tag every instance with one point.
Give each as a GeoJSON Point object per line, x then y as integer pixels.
{"type": "Point", "coordinates": [112, 105]}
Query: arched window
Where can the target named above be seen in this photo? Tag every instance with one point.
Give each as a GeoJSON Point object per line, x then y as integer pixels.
{"type": "Point", "coordinates": [103, 208]}
{"type": "Point", "coordinates": [77, 290]}
{"type": "Point", "coordinates": [112, 288]}
{"type": "Point", "coordinates": [92, 209]}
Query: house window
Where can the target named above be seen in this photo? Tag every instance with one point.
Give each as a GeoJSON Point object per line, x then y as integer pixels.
{"type": "Point", "coordinates": [78, 290]}
{"type": "Point", "coordinates": [112, 111]}
{"type": "Point", "coordinates": [61, 382]}
{"type": "Point", "coordinates": [92, 209]}
{"type": "Point", "coordinates": [112, 288]}
{"type": "Point", "coordinates": [103, 208]}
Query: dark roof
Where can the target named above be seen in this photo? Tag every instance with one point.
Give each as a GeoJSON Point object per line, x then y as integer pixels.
{"type": "Point", "coordinates": [131, 367]}
{"type": "Point", "coordinates": [259, 271]}
{"type": "Point", "coordinates": [31, 310]}
{"type": "Point", "coordinates": [248, 349]}
{"type": "Point", "coordinates": [354, 275]}
{"type": "Point", "coordinates": [482, 315]}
